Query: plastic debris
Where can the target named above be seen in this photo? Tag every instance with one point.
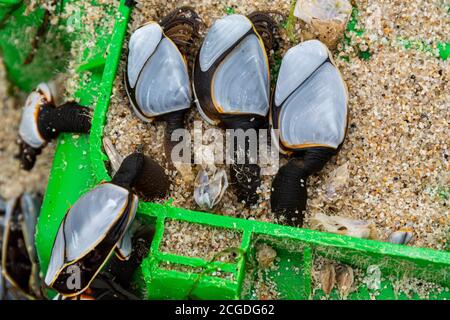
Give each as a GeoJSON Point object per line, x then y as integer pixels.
{"type": "Point", "coordinates": [345, 226]}
{"type": "Point", "coordinates": [209, 188]}
{"type": "Point", "coordinates": [328, 18]}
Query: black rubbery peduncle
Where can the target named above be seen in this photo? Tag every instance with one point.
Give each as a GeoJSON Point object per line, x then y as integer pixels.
{"type": "Point", "coordinates": [288, 198]}
{"type": "Point", "coordinates": [174, 121]}
{"type": "Point", "coordinates": [289, 194]}
{"type": "Point", "coordinates": [143, 174]}
{"type": "Point", "coordinates": [245, 177]}
{"type": "Point", "coordinates": [69, 117]}
{"type": "Point", "coordinates": [129, 170]}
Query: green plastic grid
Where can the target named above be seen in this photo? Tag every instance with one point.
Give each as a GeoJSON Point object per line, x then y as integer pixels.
{"type": "Point", "coordinates": [80, 163]}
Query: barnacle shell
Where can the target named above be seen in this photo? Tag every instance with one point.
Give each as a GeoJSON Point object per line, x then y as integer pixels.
{"type": "Point", "coordinates": [115, 158]}
{"type": "Point", "coordinates": [157, 79]}
{"type": "Point", "coordinates": [402, 236]}
{"type": "Point", "coordinates": [91, 229]}
{"type": "Point", "coordinates": [30, 210]}
{"type": "Point", "coordinates": [327, 278]}
{"type": "Point", "coordinates": [241, 80]}
{"type": "Point", "coordinates": [373, 277]}
{"type": "Point", "coordinates": [327, 17]}
{"type": "Point", "coordinates": [310, 107]}
{"type": "Point", "coordinates": [217, 41]}
{"type": "Point", "coordinates": [28, 128]}
{"type": "Point", "coordinates": [344, 279]}
{"type": "Point", "coordinates": [345, 226]}
{"type": "Point", "coordinates": [124, 246]}
{"type": "Point", "coordinates": [142, 45]}
{"type": "Point", "coordinates": [231, 74]}
{"type": "Point", "coordinates": [307, 10]}
{"type": "Point", "coordinates": [209, 188]}
{"type": "Point", "coordinates": [18, 245]}
{"type": "Point", "coordinates": [306, 57]}
{"type": "Point", "coordinates": [265, 255]}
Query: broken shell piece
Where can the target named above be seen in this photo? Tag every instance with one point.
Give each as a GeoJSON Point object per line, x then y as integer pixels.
{"type": "Point", "coordinates": [337, 181]}
{"type": "Point", "coordinates": [209, 188]}
{"type": "Point", "coordinates": [327, 278]}
{"type": "Point", "coordinates": [205, 155]}
{"type": "Point", "coordinates": [344, 280]}
{"type": "Point", "coordinates": [114, 156]}
{"type": "Point", "coordinates": [265, 255]}
{"type": "Point", "coordinates": [345, 226]}
{"type": "Point", "coordinates": [373, 277]}
{"type": "Point", "coordinates": [402, 236]}
{"type": "Point", "coordinates": [327, 18]}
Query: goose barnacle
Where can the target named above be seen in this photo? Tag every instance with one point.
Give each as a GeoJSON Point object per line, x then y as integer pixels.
{"type": "Point", "coordinates": [19, 264]}
{"type": "Point", "coordinates": [231, 83]}
{"type": "Point", "coordinates": [96, 225]}
{"type": "Point", "coordinates": [156, 76]}
{"type": "Point", "coordinates": [42, 122]}
{"type": "Point", "coordinates": [309, 108]}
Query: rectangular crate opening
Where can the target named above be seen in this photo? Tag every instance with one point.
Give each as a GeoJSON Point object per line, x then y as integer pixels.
{"type": "Point", "coordinates": [200, 241]}
{"type": "Point", "coordinates": [163, 280]}
{"type": "Point", "coordinates": [276, 269]}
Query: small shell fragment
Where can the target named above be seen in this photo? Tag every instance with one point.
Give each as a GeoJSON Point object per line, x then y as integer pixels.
{"type": "Point", "coordinates": [327, 18]}
{"type": "Point", "coordinates": [373, 277]}
{"type": "Point", "coordinates": [114, 157]}
{"type": "Point", "coordinates": [265, 255]}
{"type": "Point", "coordinates": [344, 279]}
{"type": "Point", "coordinates": [327, 278]}
{"type": "Point", "coordinates": [402, 236]}
{"type": "Point", "coordinates": [345, 226]}
{"type": "Point", "coordinates": [328, 10]}
{"type": "Point", "coordinates": [209, 188]}
{"type": "Point", "coordinates": [337, 181]}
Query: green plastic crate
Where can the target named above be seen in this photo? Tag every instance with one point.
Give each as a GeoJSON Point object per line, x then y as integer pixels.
{"type": "Point", "coordinates": [79, 164]}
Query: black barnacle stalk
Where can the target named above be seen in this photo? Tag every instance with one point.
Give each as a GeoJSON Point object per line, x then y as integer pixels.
{"type": "Point", "coordinates": [232, 87]}
{"type": "Point", "coordinates": [157, 77]}
{"type": "Point", "coordinates": [289, 194]}
{"type": "Point", "coordinates": [144, 175]}
{"type": "Point", "coordinates": [42, 122]}
{"type": "Point", "coordinates": [309, 108]}
{"type": "Point", "coordinates": [245, 173]}
{"type": "Point", "coordinates": [82, 245]}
